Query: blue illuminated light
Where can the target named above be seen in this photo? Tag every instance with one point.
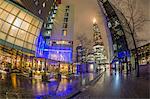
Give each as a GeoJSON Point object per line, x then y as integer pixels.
{"type": "Point", "coordinates": [58, 53]}
{"type": "Point", "coordinates": [123, 54]}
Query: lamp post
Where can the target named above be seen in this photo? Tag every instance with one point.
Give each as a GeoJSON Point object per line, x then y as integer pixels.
{"type": "Point", "coordinates": [94, 20]}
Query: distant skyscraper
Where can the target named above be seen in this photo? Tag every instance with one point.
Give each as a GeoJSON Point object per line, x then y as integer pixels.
{"type": "Point", "coordinates": [98, 48]}
{"type": "Point", "coordinates": [80, 54]}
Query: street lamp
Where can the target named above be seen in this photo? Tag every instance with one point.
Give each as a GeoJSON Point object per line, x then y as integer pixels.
{"type": "Point", "coordinates": [94, 20]}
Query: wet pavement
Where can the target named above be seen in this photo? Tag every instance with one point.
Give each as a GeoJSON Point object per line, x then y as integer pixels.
{"type": "Point", "coordinates": [117, 85]}
{"type": "Point", "coordinates": [17, 87]}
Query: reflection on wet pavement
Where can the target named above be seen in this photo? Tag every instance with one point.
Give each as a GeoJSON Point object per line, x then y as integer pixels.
{"type": "Point", "coordinates": [19, 86]}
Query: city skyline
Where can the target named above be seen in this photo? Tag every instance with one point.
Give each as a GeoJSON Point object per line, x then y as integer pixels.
{"type": "Point", "coordinates": [74, 49]}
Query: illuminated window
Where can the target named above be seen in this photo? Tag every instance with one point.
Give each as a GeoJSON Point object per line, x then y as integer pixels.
{"type": "Point", "coordinates": [1, 10]}
{"type": "Point", "coordinates": [15, 11]}
{"type": "Point", "coordinates": [65, 19]}
{"type": "Point", "coordinates": [67, 6]}
{"type": "Point", "coordinates": [21, 34]}
{"type": "Point", "coordinates": [9, 7]}
{"type": "Point", "coordinates": [22, 14]}
{"type": "Point", "coordinates": [35, 22]}
{"type": "Point", "coordinates": [19, 42]}
{"type": "Point", "coordinates": [34, 41]}
{"type": "Point", "coordinates": [33, 31]}
{"type": "Point", "coordinates": [10, 18]}
{"type": "Point", "coordinates": [13, 31]}
{"type": "Point", "coordinates": [3, 5]}
{"type": "Point", "coordinates": [10, 39]}
{"type": "Point", "coordinates": [2, 35]}
{"type": "Point", "coordinates": [40, 25]}
{"type": "Point", "coordinates": [44, 4]}
{"type": "Point", "coordinates": [17, 22]}
{"type": "Point", "coordinates": [52, 20]}
{"type": "Point", "coordinates": [64, 32]}
{"type": "Point", "coordinates": [17, 28]}
{"type": "Point", "coordinates": [28, 45]}
{"type": "Point", "coordinates": [37, 32]}
{"type": "Point", "coordinates": [66, 14]}
{"type": "Point", "coordinates": [1, 1]}
{"type": "Point", "coordinates": [49, 26]}
{"type": "Point", "coordinates": [30, 28]}
{"type": "Point", "coordinates": [65, 25]}
{"type": "Point", "coordinates": [27, 36]}
{"type": "Point", "coordinates": [49, 32]}
{"type": "Point", "coordinates": [36, 3]}
{"type": "Point", "coordinates": [53, 16]}
{"type": "Point", "coordinates": [55, 11]}
{"type": "Point", "coordinates": [33, 47]}
{"type": "Point", "coordinates": [4, 15]}
{"type": "Point", "coordinates": [5, 27]}
{"type": "Point", "coordinates": [55, 7]}
{"type": "Point", "coordinates": [24, 25]}
{"type": "Point", "coordinates": [67, 10]}
{"type": "Point", "coordinates": [40, 11]}
{"type": "Point", "coordinates": [31, 38]}
{"type": "Point", "coordinates": [1, 23]}
{"type": "Point", "coordinates": [28, 18]}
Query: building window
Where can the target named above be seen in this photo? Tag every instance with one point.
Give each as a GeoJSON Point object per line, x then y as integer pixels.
{"type": "Point", "coordinates": [44, 4]}
{"type": "Point", "coordinates": [64, 32]}
{"type": "Point", "coordinates": [65, 19]}
{"type": "Point", "coordinates": [56, 7]}
{"type": "Point", "coordinates": [67, 6]}
{"type": "Point", "coordinates": [49, 26]}
{"type": "Point", "coordinates": [36, 3]}
{"type": "Point", "coordinates": [66, 14]}
{"type": "Point", "coordinates": [54, 11]}
{"type": "Point", "coordinates": [67, 10]}
{"type": "Point", "coordinates": [65, 25]}
{"type": "Point", "coordinates": [40, 11]}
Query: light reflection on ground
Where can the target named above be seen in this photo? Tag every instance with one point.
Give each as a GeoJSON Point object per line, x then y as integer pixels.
{"type": "Point", "coordinates": [36, 88]}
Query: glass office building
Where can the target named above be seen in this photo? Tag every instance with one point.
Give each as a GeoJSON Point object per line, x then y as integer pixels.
{"type": "Point", "coordinates": [19, 30]}
{"type": "Point", "coordinates": [18, 27]}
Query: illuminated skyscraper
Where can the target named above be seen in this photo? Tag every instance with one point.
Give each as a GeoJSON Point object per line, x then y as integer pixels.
{"type": "Point", "coordinates": [98, 48]}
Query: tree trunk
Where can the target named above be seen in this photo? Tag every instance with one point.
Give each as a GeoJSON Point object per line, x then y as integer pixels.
{"type": "Point", "coordinates": [136, 57]}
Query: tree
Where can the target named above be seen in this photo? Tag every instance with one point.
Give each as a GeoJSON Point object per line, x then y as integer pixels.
{"type": "Point", "coordinates": [85, 42]}
{"type": "Point", "coordinates": [132, 20]}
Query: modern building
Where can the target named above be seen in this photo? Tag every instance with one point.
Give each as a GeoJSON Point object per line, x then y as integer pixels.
{"type": "Point", "coordinates": [19, 30]}
{"type": "Point", "coordinates": [58, 35]}
{"type": "Point", "coordinates": [98, 47]}
{"type": "Point", "coordinates": [120, 46]}
{"type": "Point", "coordinates": [80, 54]}
{"type": "Point", "coordinates": [144, 54]}
{"type": "Point", "coordinates": [81, 59]}
{"type": "Point", "coordinates": [91, 57]}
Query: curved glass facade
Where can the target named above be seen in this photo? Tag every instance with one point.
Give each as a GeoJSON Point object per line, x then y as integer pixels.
{"type": "Point", "coordinates": [19, 28]}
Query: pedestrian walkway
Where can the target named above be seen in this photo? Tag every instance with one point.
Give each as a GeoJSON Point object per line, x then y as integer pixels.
{"type": "Point", "coordinates": [17, 86]}
{"type": "Point", "coordinates": [117, 86]}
